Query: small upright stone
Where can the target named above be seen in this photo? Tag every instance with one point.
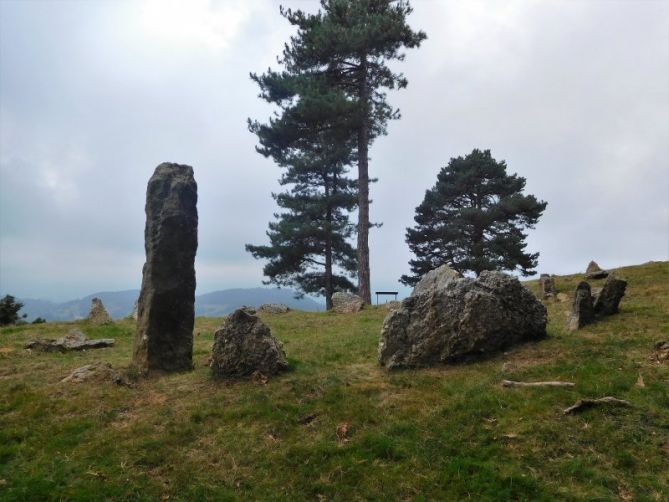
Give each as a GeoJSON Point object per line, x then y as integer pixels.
{"type": "Point", "coordinates": [582, 311]}
{"type": "Point", "coordinates": [98, 314]}
{"type": "Point", "coordinates": [346, 303]}
{"type": "Point", "coordinates": [607, 300]}
{"type": "Point", "coordinates": [166, 307]}
{"type": "Point", "coordinates": [547, 285]}
{"type": "Point", "coordinates": [245, 345]}
{"type": "Point", "coordinates": [595, 272]}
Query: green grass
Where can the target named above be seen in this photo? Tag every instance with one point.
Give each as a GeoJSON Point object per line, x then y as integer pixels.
{"type": "Point", "coordinates": [448, 433]}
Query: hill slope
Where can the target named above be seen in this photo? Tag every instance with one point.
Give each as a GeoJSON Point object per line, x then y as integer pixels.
{"type": "Point", "coordinates": [338, 427]}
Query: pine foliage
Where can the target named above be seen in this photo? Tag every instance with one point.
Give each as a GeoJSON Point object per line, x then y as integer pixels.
{"type": "Point", "coordinates": [473, 219]}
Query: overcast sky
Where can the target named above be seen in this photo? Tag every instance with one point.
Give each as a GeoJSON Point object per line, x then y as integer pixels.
{"type": "Point", "coordinates": [573, 94]}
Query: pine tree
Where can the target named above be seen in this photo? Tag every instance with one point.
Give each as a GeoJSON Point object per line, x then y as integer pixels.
{"type": "Point", "coordinates": [351, 41]}
{"type": "Point", "coordinates": [309, 241]}
{"type": "Point", "coordinates": [473, 220]}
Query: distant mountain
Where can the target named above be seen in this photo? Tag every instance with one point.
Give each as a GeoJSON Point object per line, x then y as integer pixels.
{"type": "Point", "coordinates": [223, 302]}
{"type": "Point", "coordinates": [119, 304]}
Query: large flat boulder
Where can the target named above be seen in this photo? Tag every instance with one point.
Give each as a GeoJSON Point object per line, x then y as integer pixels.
{"type": "Point", "coordinates": [244, 346]}
{"type": "Point", "coordinates": [75, 340]}
{"type": "Point", "coordinates": [464, 318]}
{"type": "Point", "coordinates": [166, 306]}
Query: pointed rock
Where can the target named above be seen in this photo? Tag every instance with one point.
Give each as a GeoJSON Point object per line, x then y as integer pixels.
{"type": "Point", "coordinates": [435, 279]}
{"type": "Point", "coordinates": [595, 272]}
{"type": "Point", "coordinates": [98, 314]}
{"type": "Point", "coordinates": [244, 346]}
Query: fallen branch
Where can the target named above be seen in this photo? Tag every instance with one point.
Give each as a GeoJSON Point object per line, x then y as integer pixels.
{"type": "Point", "coordinates": [584, 404]}
{"type": "Point", "coordinates": [513, 383]}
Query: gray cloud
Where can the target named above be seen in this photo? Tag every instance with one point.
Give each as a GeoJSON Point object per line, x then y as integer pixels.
{"type": "Point", "coordinates": [93, 95]}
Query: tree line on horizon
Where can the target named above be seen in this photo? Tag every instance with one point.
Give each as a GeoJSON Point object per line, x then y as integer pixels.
{"type": "Point", "coordinates": [331, 99]}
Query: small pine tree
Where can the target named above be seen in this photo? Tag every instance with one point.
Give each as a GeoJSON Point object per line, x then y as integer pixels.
{"type": "Point", "coordinates": [9, 310]}
{"type": "Point", "coordinates": [473, 220]}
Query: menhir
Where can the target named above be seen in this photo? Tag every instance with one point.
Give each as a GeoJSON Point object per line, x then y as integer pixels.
{"type": "Point", "coordinates": [166, 307]}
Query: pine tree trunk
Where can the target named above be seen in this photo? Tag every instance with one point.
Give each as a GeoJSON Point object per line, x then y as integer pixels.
{"type": "Point", "coordinates": [364, 281]}
{"type": "Point", "coordinates": [328, 252]}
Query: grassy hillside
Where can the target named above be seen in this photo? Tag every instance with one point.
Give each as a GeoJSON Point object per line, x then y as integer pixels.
{"type": "Point", "coordinates": [338, 427]}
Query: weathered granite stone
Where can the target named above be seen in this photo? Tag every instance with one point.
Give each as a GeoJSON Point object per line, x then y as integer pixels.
{"type": "Point", "coordinates": [274, 308]}
{"type": "Point", "coordinates": [595, 272]}
{"type": "Point", "coordinates": [97, 372]}
{"type": "Point", "coordinates": [607, 300]}
{"type": "Point", "coordinates": [346, 303]}
{"type": "Point", "coordinates": [244, 346]}
{"type": "Point", "coordinates": [166, 307]}
{"type": "Point", "coordinates": [98, 314]}
{"type": "Point", "coordinates": [437, 278]}
{"type": "Point", "coordinates": [74, 340]}
{"type": "Point", "coordinates": [547, 286]}
{"type": "Point", "coordinates": [582, 311]}
{"type": "Point", "coordinates": [463, 319]}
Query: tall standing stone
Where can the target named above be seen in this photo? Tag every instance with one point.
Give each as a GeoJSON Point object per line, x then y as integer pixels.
{"type": "Point", "coordinates": [166, 307]}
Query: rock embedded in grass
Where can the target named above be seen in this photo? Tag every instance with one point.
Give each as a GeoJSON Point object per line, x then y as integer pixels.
{"type": "Point", "coordinates": [244, 346]}
{"type": "Point", "coordinates": [274, 308]}
{"type": "Point", "coordinates": [346, 303]}
{"type": "Point", "coordinates": [461, 319]}
{"type": "Point", "coordinates": [96, 372]}
{"type": "Point", "coordinates": [166, 307]}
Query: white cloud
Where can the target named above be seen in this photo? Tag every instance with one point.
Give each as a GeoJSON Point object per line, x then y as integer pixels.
{"type": "Point", "coordinates": [204, 23]}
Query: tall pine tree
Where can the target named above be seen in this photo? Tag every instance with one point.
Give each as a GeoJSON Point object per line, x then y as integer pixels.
{"type": "Point", "coordinates": [473, 220]}
{"type": "Point", "coordinates": [309, 245]}
{"type": "Point", "coordinates": [351, 41]}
